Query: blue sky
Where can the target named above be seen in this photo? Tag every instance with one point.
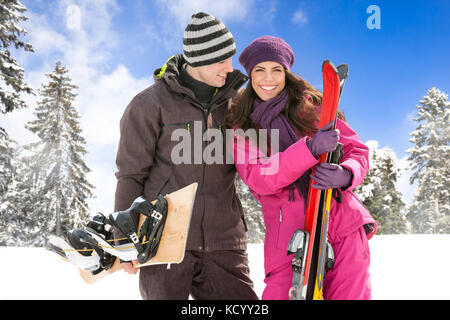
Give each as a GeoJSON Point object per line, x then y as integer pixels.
{"type": "Point", "coordinates": [112, 47]}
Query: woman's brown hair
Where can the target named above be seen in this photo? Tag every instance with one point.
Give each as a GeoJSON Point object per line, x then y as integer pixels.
{"type": "Point", "coordinates": [301, 110]}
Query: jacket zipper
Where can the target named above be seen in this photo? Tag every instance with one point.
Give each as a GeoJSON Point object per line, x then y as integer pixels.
{"type": "Point", "coordinates": [205, 114]}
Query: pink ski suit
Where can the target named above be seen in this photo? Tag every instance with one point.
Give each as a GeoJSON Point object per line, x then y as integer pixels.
{"type": "Point", "coordinates": [350, 277]}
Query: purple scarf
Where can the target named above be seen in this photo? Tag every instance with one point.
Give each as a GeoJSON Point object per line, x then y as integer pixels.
{"type": "Point", "coordinates": [269, 115]}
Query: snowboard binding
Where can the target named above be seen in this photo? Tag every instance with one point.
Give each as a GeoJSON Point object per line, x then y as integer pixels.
{"type": "Point", "coordinates": [298, 246]}
{"type": "Point", "coordinates": [97, 236]}
{"type": "Point", "coordinates": [146, 241]}
{"type": "Point", "coordinates": [78, 247]}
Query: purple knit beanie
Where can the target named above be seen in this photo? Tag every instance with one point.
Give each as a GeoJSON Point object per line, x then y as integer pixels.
{"type": "Point", "coordinates": [266, 48]}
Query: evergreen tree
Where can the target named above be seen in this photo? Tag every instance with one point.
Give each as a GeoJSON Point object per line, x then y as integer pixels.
{"type": "Point", "coordinates": [366, 189]}
{"type": "Point", "coordinates": [380, 196]}
{"type": "Point", "coordinates": [11, 83]}
{"type": "Point", "coordinates": [23, 218]}
{"type": "Point", "coordinates": [252, 212]}
{"type": "Point", "coordinates": [391, 210]}
{"type": "Point", "coordinates": [11, 73]}
{"type": "Point", "coordinates": [430, 210]}
{"type": "Point", "coordinates": [51, 192]}
{"type": "Point", "coordinates": [7, 156]}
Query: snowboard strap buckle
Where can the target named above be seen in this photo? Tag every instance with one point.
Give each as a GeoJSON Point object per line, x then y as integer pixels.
{"type": "Point", "coordinates": [147, 239]}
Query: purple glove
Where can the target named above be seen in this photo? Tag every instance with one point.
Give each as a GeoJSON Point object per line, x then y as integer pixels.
{"type": "Point", "coordinates": [331, 176]}
{"type": "Point", "coordinates": [325, 140]}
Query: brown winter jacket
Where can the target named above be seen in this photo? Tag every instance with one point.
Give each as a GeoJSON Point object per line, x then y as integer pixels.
{"type": "Point", "coordinates": [144, 157]}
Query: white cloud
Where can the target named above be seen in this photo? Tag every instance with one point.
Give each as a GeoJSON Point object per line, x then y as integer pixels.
{"type": "Point", "coordinates": [103, 101]}
{"type": "Point", "coordinates": [300, 17]}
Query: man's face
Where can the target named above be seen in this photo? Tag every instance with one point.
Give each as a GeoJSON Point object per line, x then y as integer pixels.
{"type": "Point", "coordinates": [215, 74]}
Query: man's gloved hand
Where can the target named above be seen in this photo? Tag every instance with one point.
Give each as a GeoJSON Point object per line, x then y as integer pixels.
{"type": "Point", "coordinates": [325, 140]}
{"type": "Point", "coordinates": [331, 176]}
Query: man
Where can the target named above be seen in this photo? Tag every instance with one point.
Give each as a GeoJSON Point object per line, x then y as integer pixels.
{"type": "Point", "coordinates": [191, 91]}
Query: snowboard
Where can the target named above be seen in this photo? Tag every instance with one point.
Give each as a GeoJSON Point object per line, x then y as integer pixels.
{"type": "Point", "coordinates": [172, 245]}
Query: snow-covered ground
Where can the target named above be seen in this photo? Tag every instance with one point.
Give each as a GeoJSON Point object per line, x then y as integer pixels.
{"type": "Point", "coordinates": [403, 267]}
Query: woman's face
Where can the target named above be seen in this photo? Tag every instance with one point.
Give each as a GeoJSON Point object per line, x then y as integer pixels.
{"type": "Point", "coordinates": [268, 79]}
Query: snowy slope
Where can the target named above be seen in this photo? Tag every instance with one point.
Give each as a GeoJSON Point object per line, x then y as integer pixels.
{"type": "Point", "coordinates": [398, 262]}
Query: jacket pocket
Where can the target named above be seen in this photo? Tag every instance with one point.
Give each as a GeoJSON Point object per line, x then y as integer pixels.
{"type": "Point", "coordinates": [181, 125]}
{"type": "Point", "coordinates": [176, 142]}
{"type": "Point", "coordinates": [291, 218]}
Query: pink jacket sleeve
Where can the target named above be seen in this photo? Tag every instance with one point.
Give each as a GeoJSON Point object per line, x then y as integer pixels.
{"type": "Point", "coordinates": [269, 175]}
{"type": "Point", "coordinates": [356, 154]}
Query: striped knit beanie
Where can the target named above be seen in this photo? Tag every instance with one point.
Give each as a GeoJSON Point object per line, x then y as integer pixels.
{"type": "Point", "coordinates": [206, 41]}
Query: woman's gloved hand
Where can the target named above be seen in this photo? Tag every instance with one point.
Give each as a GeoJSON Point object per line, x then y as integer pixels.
{"type": "Point", "coordinates": [325, 140]}
{"type": "Point", "coordinates": [331, 176]}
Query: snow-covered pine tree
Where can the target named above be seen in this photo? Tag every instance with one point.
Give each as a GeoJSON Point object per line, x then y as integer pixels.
{"type": "Point", "coordinates": [430, 210]}
{"type": "Point", "coordinates": [11, 82]}
{"type": "Point", "coordinates": [23, 218]}
{"type": "Point", "coordinates": [379, 194]}
{"type": "Point", "coordinates": [7, 156]}
{"type": "Point", "coordinates": [252, 212]}
{"type": "Point", "coordinates": [53, 189]}
{"type": "Point", "coordinates": [391, 210]}
{"type": "Point", "coordinates": [371, 181]}
{"type": "Point", "coordinates": [11, 73]}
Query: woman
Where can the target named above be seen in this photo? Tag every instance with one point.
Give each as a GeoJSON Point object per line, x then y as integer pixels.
{"type": "Point", "coordinates": [275, 98]}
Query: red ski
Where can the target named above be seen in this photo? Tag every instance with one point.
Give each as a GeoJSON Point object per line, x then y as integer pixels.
{"type": "Point", "coordinates": [312, 253]}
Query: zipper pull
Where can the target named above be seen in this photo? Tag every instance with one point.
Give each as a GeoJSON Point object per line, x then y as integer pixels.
{"type": "Point", "coordinates": [281, 217]}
